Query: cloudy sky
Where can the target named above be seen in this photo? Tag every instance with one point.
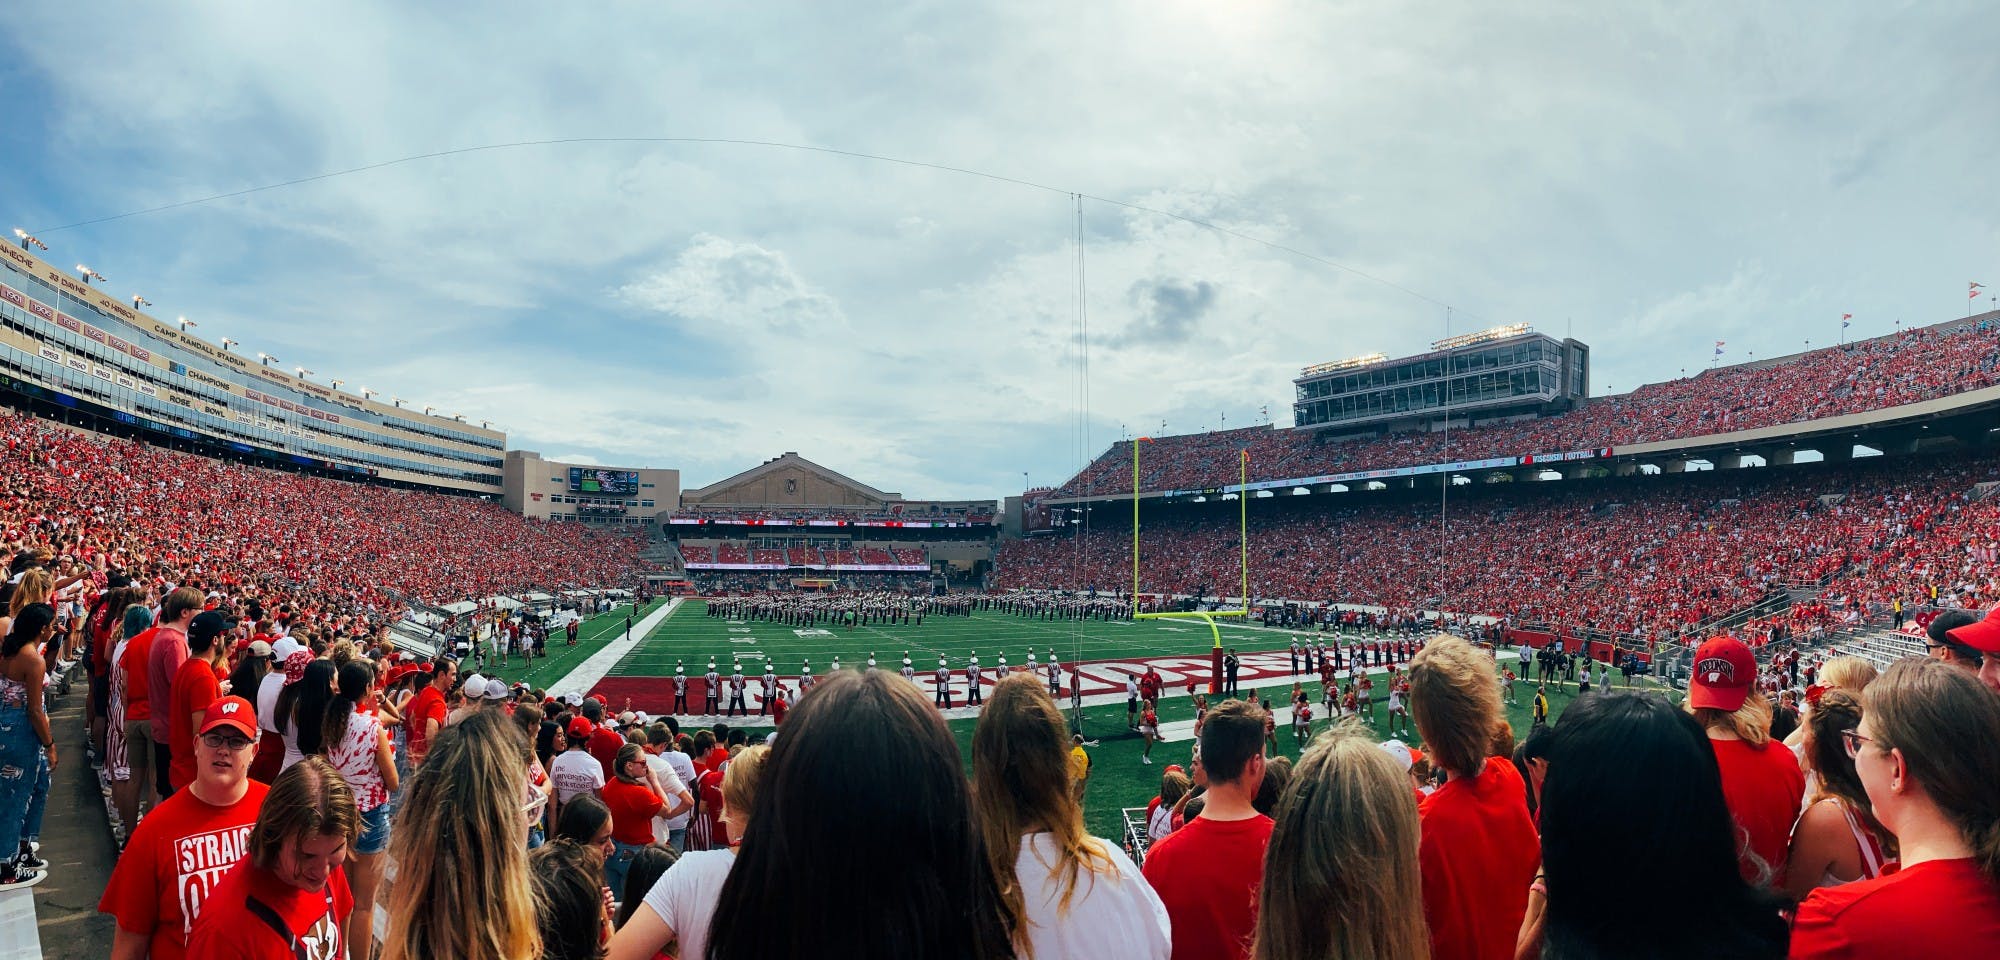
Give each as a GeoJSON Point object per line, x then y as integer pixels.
{"type": "Point", "coordinates": [1651, 177]}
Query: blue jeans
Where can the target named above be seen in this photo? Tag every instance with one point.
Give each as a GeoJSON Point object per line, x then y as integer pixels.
{"type": "Point", "coordinates": [678, 839]}
{"type": "Point", "coordinates": [24, 780]}
{"type": "Point", "coordinates": [619, 863]}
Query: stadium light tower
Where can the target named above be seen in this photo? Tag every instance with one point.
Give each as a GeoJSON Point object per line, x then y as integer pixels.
{"type": "Point", "coordinates": [185, 322]}
{"type": "Point", "coordinates": [428, 409]}
{"type": "Point", "coordinates": [336, 383]}
{"type": "Point", "coordinates": [397, 401]}
{"type": "Point", "coordinates": [365, 392]}
{"type": "Point", "coordinates": [302, 372]}
{"type": "Point", "coordinates": [267, 358]}
{"type": "Point", "coordinates": [140, 303]}
{"type": "Point", "coordinates": [88, 274]}
{"type": "Point", "coordinates": [227, 343]}
{"type": "Point", "coordinates": [29, 241]}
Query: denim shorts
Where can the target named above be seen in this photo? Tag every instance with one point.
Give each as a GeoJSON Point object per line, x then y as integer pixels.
{"type": "Point", "coordinates": [374, 831]}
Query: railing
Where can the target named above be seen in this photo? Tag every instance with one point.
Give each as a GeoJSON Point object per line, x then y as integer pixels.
{"type": "Point", "coordinates": [1137, 839]}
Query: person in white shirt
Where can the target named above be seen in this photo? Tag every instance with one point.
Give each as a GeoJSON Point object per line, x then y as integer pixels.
{"type": "Point", "coordinates": [974, 696]}
{"type": "Point", "coordinates": [683, 900]}
{"type": "Point", "coordinates": [943, 685]}
{"type": "Point", "coordinates": [575, 772]}
{"type": "Point", "coordinates": [767, 688]}
{"type": "Point", "coordinates": [1065, 894]}
{"type": "Point", "coordinates": [673, 788]}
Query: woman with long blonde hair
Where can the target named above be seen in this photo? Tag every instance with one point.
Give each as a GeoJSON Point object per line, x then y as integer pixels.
{"type": "Point", "coordinates": [1063, 892]}
{"type": "Point", "coordinates": [460, 845]}
{"type": "Point", "coordinates": [1340, 874]}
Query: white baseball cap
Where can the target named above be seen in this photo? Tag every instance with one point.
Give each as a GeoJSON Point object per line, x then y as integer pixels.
{"type": "Point", "coordinates": [474, 686]}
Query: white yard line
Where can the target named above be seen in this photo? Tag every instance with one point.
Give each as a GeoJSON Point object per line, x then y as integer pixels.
{"type": "Point", "coordinates": [598, 665]}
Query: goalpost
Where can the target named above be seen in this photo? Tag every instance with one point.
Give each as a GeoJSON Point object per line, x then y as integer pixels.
{"type": "Point", "coordinates": [1243, 553]}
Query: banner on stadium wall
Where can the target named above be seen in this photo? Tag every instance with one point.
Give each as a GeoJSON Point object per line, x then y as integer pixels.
{"type": "Point", "coordinates": [841, 567]}
{"type": "Point", "coordinates": [752, 522]}
{"type": "Point", "coordinates": [1535, 458]}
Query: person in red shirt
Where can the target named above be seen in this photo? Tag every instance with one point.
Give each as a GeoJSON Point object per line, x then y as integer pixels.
{"type": "Point", "coordinates": [634, 797]}
{"type": "Point", "coordinates": [604, 742]}
{"type": "Point", "coordinates": [288, 896]}
{"type": "Point", "coordinates": [1925, 750]}
{"type": "Point", "coordinates": [1761, 780]}
{"type": "Point", "coordinates": [184, 848]}
{"type": "Point", "coordinates": [140, 790]}
{"type": "Point", "coordinates": [1207, 872]}
{"type": "Point", "coordinates": [709, 786]}
{"type": "Point", "coordinates": [196, 685]}
{"type": "Point", "coordinates": [1479, 851]}
{"type": "Point", "coordinates": [164, 657]}
{"type": "Point", "coordinates": [424, 715]}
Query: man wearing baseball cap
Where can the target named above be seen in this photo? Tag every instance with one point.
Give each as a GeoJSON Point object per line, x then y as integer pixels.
{"type": "Point", "coordinates": [1761, 781]}
{"type": "Point", "coordinates": [1983, 637]}
{"type": "Point", "coordinates": [197, 683]}
{"type": "Point", "coordinates": [184, 847]}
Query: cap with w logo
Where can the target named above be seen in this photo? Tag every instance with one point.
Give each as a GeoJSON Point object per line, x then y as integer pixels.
{"type": "Point", "coordinates": [1724, 672]}
{"type": "Point", "coordinates": [230, 712]}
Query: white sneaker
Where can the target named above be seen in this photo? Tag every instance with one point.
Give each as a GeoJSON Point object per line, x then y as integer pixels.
{"type": "Point", "coordinates": [1146, 760]}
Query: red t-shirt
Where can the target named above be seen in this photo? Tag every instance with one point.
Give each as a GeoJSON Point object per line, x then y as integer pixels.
{"type": "Point", "coordinates": [1763, 787]}
{"type": "Point", "coordinates": [228, 930]}
{"type": "Point", "coordinates": [1477, 856]}
{"type": "Point", "coordinates": [195, 687]}
{"type": "Point", "coordinates": [604, 744]}
{"type": "Point", "coordinates": [428, 704]}
{"type": "Point", "coordinates": [717, 756]}
{"type": "Point", "coordinates": [1207, 874]}
{"type": "Point", "coordinates": [178, 853]}
{"type": "Point", "coordinates": [138, 652]}
{"type": "Point", "coordinates": [632, 808]}
{"type": "Point", "coordinates": [711, 808]}
{"type": "Point", "coordinates": [1939, 908]}
{"type": "Point", "coordinates": [163, 662]}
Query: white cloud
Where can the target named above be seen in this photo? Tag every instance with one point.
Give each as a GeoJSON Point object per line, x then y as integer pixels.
{"type": "Point", "coordinates": [740, 285]}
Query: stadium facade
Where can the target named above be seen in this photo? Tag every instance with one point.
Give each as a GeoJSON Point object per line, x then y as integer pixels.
{"type": "Point", "coordinates": [587, 493]}
{"type": "Point", "coordinates": [72, 352]}
{"type": "Point", "coordinates": [1494, 374]}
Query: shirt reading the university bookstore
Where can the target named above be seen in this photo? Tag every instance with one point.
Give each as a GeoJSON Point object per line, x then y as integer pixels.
{"type": "Point", "coordinates": [1938, 908]}
{"type": "Point", "coordinates": [178, 854]}
{"type": "Point", "coordinates": [229, 930]}
{"type": "Point", "coordinates": [1478, 853]}
{"type": "Point", "coordinates": [1207, 874]}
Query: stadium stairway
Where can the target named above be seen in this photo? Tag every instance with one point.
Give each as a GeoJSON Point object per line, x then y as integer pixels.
{"type": "Point", "coordinates": [1880, 647]}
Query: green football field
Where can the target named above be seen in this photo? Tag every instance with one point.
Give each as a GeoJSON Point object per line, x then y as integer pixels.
{"type": "Point", "coordinates": [691, 635]}
{"type": "Point", "coordinates": [1119, 778]}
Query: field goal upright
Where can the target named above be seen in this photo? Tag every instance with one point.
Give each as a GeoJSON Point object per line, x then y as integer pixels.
{"type": "Point", "coordinates": [1243, 554]}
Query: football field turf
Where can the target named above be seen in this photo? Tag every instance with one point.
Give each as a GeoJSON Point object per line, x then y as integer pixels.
{"type": "Point", "coordinates": [691, 635]}
{"type": "Point", "coordinates": [1118, 777]}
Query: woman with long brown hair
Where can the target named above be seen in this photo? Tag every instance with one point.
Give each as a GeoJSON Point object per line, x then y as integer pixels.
{"type": "Point", "coordinates": [1340, 873]}
{"type": "Point", "coordinates": [1837, 840]}
{"type": "Point", "coordinates": [1063, 893]}
{"type": "Point", "coordinates": [460, 844]}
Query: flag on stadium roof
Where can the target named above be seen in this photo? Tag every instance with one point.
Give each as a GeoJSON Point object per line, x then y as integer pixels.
{"type": "Point", "coordinates": [1843, 320]}
{"type": "Point", "coordinates": [1973, 294]}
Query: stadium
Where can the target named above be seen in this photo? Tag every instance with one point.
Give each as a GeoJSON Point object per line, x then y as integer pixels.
{"type": "Point", "coordinates": [298, 667]}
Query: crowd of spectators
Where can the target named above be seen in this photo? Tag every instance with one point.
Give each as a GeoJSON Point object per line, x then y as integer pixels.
{"type": "Point", "coordinates": [532, 827]}
{"type": "Point", "coordinates": [728, 514]}
{"type": "Point", "coordinates": [1647, 557]}
{"type": "Point", "coordinates": [802, 555]}
{"type": "Point", "coordinates": [1906, 367]}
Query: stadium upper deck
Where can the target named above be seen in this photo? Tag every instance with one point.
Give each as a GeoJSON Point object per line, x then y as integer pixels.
{"type": "Point", "coordinates": [1943, 370]}
{"type": "Point", "coordinates": [64, 343]}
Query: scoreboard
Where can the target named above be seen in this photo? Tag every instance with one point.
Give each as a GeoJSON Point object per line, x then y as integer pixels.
{"type": "Point", "coordinates": [591, 481]}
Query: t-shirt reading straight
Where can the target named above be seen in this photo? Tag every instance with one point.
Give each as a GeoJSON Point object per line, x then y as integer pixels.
{"type": "Point", "coordinates": [179, 853]}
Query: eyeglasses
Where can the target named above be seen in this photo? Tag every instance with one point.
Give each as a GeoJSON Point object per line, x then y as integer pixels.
{"type": "Point", "coordinates": [221, 741]}
{"type": "Point", "coordinates": [1853, 741]}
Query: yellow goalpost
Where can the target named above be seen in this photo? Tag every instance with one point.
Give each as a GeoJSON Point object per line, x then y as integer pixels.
{"type": "Point", "coordinates": [1243, 553]}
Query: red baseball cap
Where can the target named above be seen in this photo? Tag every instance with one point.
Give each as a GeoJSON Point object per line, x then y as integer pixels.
{"type": "Point", "coordinates": [1983, 636]}
{"type": "Point", "coordinates": [580, 728]}
{"type": "Point", "coordinates": [230, 712]}
{"type": "Point", "coordinates": [1724, 672]}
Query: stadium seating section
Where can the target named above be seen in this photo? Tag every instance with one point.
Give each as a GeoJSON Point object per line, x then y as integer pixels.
{"type": "Point", "coordinates": [1867, 375]}
{"type": "Point", "coordinates": [333, 548]}
{"type": "Point", "coordinates": [1648, 556]}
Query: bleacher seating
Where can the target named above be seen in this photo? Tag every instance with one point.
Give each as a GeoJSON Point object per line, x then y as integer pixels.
{"type": "Point", "coordinates": [1901, 368]}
